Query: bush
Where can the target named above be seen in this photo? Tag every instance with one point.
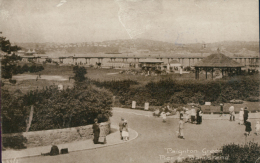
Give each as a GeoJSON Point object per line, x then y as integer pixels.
{"type": "Point", "coordinates": [12, 81]}
{"type": "Point", "coordinates": [183, 92]}
{"type": "Point", "coordinates": [79, 73]}
{"type": "Point", "coordinates": [13, 113]}
{"type": "Point", "coordinates": [32, 68]}
{"type": "Point", "coordinates": [253, 99]}
{"type": "Point", "coordinates": [25, 68]}
{"type": "Point", "coordinates": [55, 109]}
{"type": "Point", "coordinates": [230, 153]}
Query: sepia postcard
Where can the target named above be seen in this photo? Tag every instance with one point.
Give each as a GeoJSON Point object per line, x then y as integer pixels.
{"type": "Point", "coordinates": [130, 81]}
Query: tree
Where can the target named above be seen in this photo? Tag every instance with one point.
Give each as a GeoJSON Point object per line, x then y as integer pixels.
{"type": "Point", "coordinates": [14, 113]}
{"type": "Point", "coordinates": [8, 65]}
{"type": "Point", "coordinates": [79, 73]}
{"type": "Point", "coordinates": [56, 109]}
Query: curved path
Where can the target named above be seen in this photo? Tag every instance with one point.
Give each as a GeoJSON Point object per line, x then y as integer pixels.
{"type": "Point", "coordinates": [157, 140]}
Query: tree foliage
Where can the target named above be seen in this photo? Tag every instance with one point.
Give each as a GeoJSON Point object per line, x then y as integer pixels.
{"type": "Point", "coordinates": [8, 65]}
{"type": "Point", "coordinates": [56, 109]}
{"type": "Point", "coordinates": [183, 92]}
{"type": "Point", "coordinates": [79, 73]}
{"type": "Point", "coordinates": [230, 153]}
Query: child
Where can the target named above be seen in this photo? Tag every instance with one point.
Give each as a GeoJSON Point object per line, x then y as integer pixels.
{"type": "Point", "coordinates": [248, 128]}
{"type": "Point", "coordinates": [241, 116]}
{"type": "Point", "coordinates": [163, 114]}
{"type": "Point", "coordinates": [257, 128]}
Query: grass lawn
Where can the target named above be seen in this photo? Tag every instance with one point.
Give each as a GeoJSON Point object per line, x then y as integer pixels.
{"type": "Point", "coordinates": [106, 75]}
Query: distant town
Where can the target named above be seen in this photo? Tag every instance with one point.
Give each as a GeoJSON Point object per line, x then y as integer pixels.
{"type": "Point", "coordinates": [141, 46]}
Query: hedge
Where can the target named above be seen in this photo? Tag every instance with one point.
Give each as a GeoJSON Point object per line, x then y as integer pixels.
{"type": "Point", "coordinates": [183, 92]}
{"type": "Point", "coordinates": [231, 153]}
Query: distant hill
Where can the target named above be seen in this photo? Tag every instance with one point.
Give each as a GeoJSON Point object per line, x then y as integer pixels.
{"type": "Point", "coordinates": [237, 48]}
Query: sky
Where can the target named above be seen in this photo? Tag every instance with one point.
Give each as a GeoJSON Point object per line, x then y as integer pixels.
{"type": "Point", "coordinates": [175, 21]}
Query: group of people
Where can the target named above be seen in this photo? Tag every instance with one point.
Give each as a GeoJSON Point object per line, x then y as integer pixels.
{"type": "Point", "coordinates": [193, 116]}
{"type": "Point", "coordinates": [243, 119]}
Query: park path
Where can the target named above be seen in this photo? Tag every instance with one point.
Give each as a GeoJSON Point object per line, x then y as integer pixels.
{"type": "Point", "coordinates": [157, 141]}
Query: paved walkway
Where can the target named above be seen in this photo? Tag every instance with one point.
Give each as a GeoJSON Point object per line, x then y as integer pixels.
{"type": "Point", "coordinates": [112, 139]}
{"type": "Point", "coordinates": [154, 140]}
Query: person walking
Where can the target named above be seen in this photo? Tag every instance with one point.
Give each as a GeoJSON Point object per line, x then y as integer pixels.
{"type": "Point", "coordinates": [245, 114]}
{"type": "Point", "coordinates": [199, 116]}
{"type": "Point", "coordinates": [221, 110]}
{"type": "Point", "coordinates": [180, 71]}
{"type": "Point", "coordinates": [248, 128]}
{"type": "Point", "coordinates": [232, 113]}
{"type": "Point", "coordinates": [96, 131]}
{"type": "Point", "coordinates": [125, 133]}
{"type": "Point", "coordinates": [241, 116]}
{"type": "Point", "coordinates": [181, 127]}
{"type": "Point", "coordinates": [257, 128]}
{"type": "Point", "coordinates": [121, 127]}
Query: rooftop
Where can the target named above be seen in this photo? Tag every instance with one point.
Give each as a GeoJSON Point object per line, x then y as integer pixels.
{"type": "Point", "coordinates": [218, 60]}
{"type": "Point", "coordinates": [150, 60]}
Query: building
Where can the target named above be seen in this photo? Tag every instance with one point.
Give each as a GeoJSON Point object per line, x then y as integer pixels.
{"type": "Point", "coordinates": [150, 63]}
{"type": "Point", "coordinates": [218, 61]}
{"type": "Point", "coordinates": [30, 53]}
{"type": "Point", "coordinates": [118, 64]}
{"type": "Point", "coordinates": [175, 64]}
{"type": "Point", "coordinates": [20, 52]}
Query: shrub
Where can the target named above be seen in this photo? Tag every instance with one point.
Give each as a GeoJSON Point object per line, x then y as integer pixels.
{"type": "Point", "coordinates": [230, 153]}
{"type": "Point", "coordinates": [32, 68]}
{"type": "Point", "coordinates": [12, 81]}
{"type": "Point", "coordinates": [25, 68]}
{"type": "Point", "coordinates": [183, 92]}
{"type": "Point", "coordinates": [79, 73]}
{"type": "Point", "coordinates": [56, 109]}
{"type": "Point", "coordinates": [13, 113]}
{"type": "Point", "coordinates": [253, 99]}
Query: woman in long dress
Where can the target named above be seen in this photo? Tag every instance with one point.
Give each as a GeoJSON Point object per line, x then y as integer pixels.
{"type": "Point", "coordinates": [241, 116]}
{"type": "Point", "coordinates": [125, 133]}
{"type": "Point", "coordinates": [96, 131]}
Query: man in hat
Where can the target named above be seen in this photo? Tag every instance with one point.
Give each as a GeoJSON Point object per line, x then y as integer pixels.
{"type": "Point", "coordinates": [121, 127]}
{"type": "Point", "coordinates": [245, 114]}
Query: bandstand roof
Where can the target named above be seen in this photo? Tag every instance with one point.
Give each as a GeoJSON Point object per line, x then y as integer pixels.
{"type": "Point", "coordinates": [217, 60]}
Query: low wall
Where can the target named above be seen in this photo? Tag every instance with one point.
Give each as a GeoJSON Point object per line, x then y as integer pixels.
{"type": "Point", "coordinates": [46, 137]}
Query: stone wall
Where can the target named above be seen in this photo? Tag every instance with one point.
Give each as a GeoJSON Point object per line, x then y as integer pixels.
{"type": "Point", "coordinates": [46, 137]}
